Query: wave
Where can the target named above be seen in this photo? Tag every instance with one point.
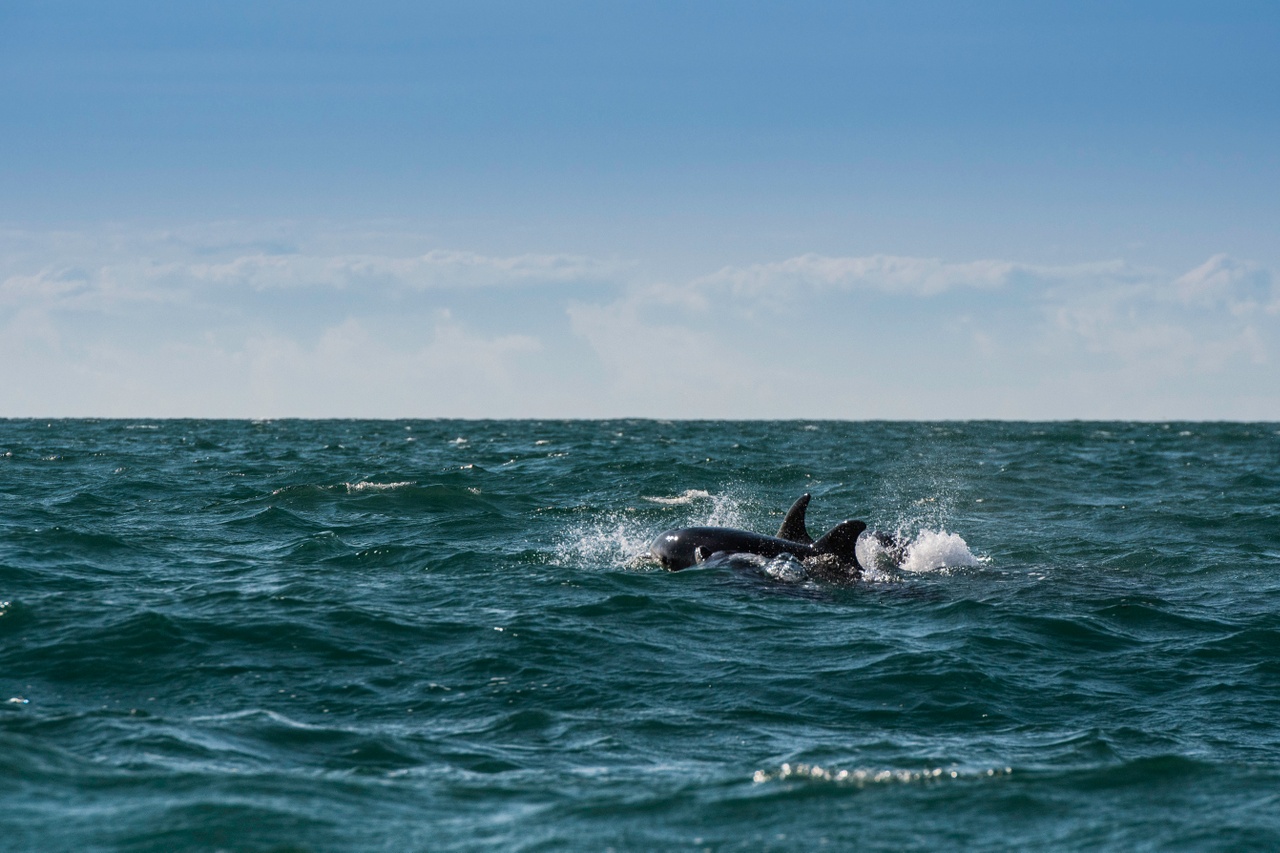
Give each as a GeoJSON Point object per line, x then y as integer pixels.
{"type": "Point", "coordinates": [685, 498]}
{"type": "Point", "coordinates": [365, 486]}
{"type": "Point", "coordinates": [349, 488]}
{"type": "Point", "coordinates": [863, 777]}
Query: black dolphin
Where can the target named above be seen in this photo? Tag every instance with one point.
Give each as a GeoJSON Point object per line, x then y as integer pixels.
{"type": "Point", "coordinates": [688, 546]}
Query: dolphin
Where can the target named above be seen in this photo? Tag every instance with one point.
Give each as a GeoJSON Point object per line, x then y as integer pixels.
{"type": "Point", "coordinates": [683, 547]}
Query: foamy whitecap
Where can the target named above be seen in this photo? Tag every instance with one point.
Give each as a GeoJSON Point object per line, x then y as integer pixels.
{"type": "Point", "coordinates": [374, 487]}
{"type": "Point", "coordinates": [863, 777]}
{"type": "Point", "coordinates": [726, 510]}
{"type": "Point", "coordinates": [258, 714]}
{"type": "Point", "coordinates": [687, 497]}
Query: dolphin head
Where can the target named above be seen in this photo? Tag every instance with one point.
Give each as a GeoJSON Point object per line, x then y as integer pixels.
{"type": "Point", "coordinates": [675, 550]}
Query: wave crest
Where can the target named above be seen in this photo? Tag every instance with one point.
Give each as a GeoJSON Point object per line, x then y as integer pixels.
{"type": "Point", "coordinates": [686, 497]}
{"type": "Point", "coordinates": [364, 486]}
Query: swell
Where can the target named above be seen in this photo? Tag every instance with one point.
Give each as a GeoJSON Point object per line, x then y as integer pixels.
{"type": "Point", "coordinates": [250, 635]}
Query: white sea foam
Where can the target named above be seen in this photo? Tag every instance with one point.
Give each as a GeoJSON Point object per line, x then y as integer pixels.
{"type": "Point", "coordinates": [687, 497]}
{"type": "Point", "coordinates": [725, 510]}
{"type": "Point", "coordinates": [871, 554]}
{"type": "Point", "coordinates": [375, 487]}
{"type": "Point", "coordinates": [258, 714]}
{"type": "Point", "coordinates": [863, 777]}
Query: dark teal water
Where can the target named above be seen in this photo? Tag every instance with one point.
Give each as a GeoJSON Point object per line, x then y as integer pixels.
{"type": "Point", "coordinates": [320, 635]}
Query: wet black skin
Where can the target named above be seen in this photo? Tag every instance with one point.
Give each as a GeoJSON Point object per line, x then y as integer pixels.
{"type": "Point", "coordinates": [835, 553]}
{"type": "Point", "coordinates": [688, 546]}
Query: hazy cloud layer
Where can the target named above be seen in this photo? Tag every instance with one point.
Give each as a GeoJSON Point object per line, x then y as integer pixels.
{"type": "Point", "coordinates": [76, 273]}
{"type": "Point", "coordinates": [887, 273]}
{"type": "Point", "coordinates": [242, 324]}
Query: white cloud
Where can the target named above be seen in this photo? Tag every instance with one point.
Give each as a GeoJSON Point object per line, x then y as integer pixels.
{"type": "Point", "coordinates": [919, 276]}
{"type": "Point", "coordinates": [1223, 281]}
{"type": "Point", "coordinates": [104, 285]}
{"type": "Point", "coordinates": [140, 323]}
{"type": "Point", "coordinates": [987, 338]}
{"type": "Point", "coordinates": [672, 368]}
{"type": "Point", "coordinates": [436, 269]}
{"type": "Point", "coordinates": [355, 368]}
{"type": "Point", "coordinates": [892, 274]}
{"type": "Point", "coordinates": [1197, 323]}
{"type": "Point", "coordinates": [180, 324]}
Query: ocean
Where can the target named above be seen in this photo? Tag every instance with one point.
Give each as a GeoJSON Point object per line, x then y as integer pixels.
{"type": "Point", "coordinates": [445, 635]}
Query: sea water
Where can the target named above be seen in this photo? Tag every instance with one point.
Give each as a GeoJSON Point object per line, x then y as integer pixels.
{"type": "Point", "coordinates": [446, 635]}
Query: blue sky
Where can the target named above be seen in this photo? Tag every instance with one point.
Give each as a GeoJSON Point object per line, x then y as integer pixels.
{"type": "Point", "coordinates": [698, 209]}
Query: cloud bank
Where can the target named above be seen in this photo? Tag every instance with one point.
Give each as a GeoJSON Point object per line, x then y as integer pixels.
{"type": "Point", "coordinates": [238, 322]}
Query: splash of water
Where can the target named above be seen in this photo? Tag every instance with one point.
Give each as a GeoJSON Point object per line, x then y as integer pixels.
{"type": "Point", "coordinates": [616, 540]}
{"type": "Point", "coordinates": [937, 549]}
{"type": "Point", "coordinates": [786, 569]}
{"type": "Point", "coordinates": [621, 539]}
{"type": "Point", "coordinates": [928, 551]}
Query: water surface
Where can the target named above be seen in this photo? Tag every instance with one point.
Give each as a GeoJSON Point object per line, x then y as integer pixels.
{"type": "Point", "coordinates": [433, 635]}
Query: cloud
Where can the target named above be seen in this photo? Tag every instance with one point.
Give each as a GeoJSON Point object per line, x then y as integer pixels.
{"type": "Point", "coordinates": [672, 368]}
{"type": "Point", "coordinates": [359, 366]}
{"type": "Point", "coordinates": [437, 269]}
{"type": "Point", "coordinates": [891, 274]}
{"type": "Point", "coordinates": [1223, 281]}
{"type": "Point", "coordinates": [130, 323]}
{"type": "Point", "coordinates": [969, 339]}
{"type": "Point", "coordinates": [103, 284]}
{"type": "Point", "coordinates": [355, 368]}
{"type": "Point", "coordinates": [298, 323]}
{"type": "Point", "coordinates": [1196, 323]}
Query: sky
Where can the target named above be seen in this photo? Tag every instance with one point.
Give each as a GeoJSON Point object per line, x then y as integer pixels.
{"type": "Point", "coordinates": [699, 209]}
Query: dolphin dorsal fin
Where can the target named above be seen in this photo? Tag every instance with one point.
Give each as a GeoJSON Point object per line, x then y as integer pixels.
{"type": "Point", "coordinates": [793, 529]}
{"type": "Point", "coordinates": [842, 541]}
